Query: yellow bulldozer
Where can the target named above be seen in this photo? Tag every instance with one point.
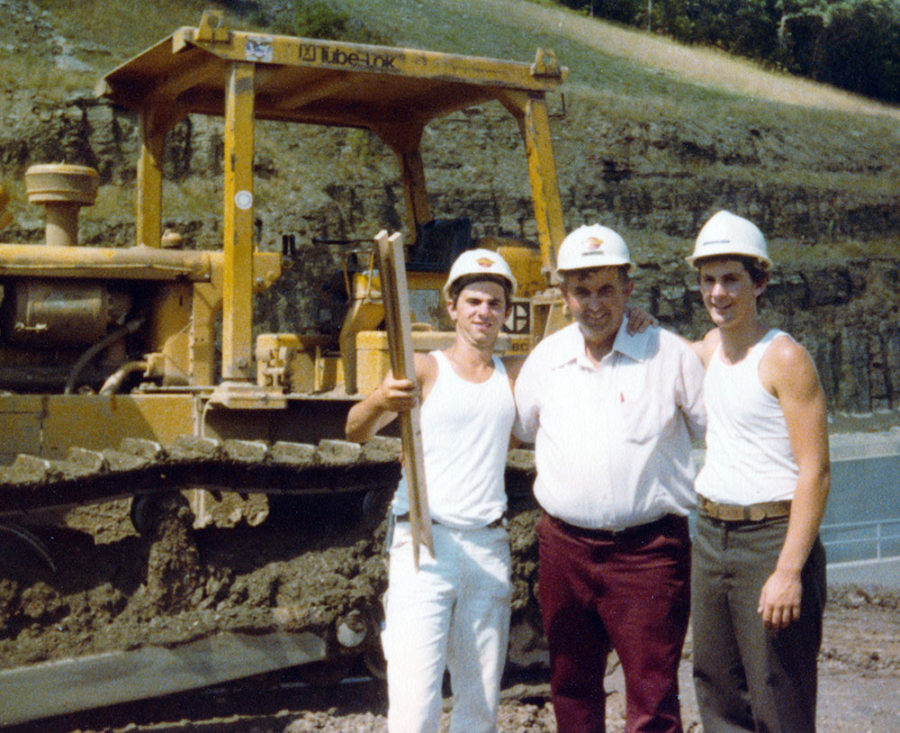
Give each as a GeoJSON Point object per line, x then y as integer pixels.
{"type": "Point", "coordinates": [130, 371]}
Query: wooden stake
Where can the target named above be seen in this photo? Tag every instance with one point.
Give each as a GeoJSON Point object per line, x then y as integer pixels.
{"type": "Point", "coordinates": [395, 296]}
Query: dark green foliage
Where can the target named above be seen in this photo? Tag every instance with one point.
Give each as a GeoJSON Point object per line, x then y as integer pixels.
{"type": "Point", "coordinates": [318, 19]}
{"type": "Point", "coordinates": [863, 49]}
{"type": "Point", "coordinates": [853, 44]}
{"type": "Point", "coordinates": [621, 11]}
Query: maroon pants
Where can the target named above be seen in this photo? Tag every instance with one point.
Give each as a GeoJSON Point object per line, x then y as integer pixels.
{"type": "Point", "coordinates": [629, 592]}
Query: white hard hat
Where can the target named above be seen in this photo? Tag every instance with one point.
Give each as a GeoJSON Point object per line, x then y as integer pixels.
{"type": "Point", "coordinates": [592, 245]}
{"type": "Point", "coordinates": [479, 262]}
{"type": "Point", "coordinates": [728, 234]}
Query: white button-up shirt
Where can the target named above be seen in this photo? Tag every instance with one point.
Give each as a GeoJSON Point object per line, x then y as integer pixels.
{"type": "Point", "coordinates": [612, 443]}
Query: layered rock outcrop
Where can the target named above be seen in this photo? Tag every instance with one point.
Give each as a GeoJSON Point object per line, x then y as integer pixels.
{"type": "Point", "coordinates": [655, 182]}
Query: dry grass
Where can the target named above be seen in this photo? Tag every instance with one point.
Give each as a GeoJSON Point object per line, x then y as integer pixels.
{"type": "Point", "coordinates": [705, 66]}
{"type": "Point", "coordinates": [129, 26]}
{"type": "Point", "coordinates": [23, 70]}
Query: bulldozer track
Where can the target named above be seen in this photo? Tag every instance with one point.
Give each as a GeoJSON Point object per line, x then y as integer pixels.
{"type": "Point", "coordinates": [136, 467]}
{"type": "Point", "coordinates": [141, 467]}
{"type": "Point", "coordinates": [32, 483]}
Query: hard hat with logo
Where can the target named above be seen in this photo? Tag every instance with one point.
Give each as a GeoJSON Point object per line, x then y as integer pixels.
{"type": "Point", "coordinates": [728, 234]}
{"type": "Point", "coordinates": [479, 262]}
{"type": "Point", "coordinates": [592, 245]}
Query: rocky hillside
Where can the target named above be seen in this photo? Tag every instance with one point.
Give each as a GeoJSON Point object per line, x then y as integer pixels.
{"type": "Point", "coordinates": [829, 202]}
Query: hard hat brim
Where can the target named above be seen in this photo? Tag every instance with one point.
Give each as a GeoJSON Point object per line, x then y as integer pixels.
{"type": "Point", "coordinates": [726, 250]}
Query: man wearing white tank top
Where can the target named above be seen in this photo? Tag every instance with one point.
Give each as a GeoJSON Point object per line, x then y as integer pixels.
{"type": "Point", "coordinates": [758, 579]}
{"type": "Point", "coordinates": [454, 611]}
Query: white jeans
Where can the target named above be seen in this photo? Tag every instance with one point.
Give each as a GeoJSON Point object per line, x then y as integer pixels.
{"type": "Point", "coordinates": [453, 613]}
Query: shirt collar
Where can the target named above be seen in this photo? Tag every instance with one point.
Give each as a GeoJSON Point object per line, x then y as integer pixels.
{"type": "Point", "coordinates": [571, 346]}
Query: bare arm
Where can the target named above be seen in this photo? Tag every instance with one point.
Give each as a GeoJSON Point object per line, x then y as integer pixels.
{"type": "Point", "coordinates": [513, 365]}
{"type": "Point", "coordinates": [380, 408]}
{"type": "Point", "coordinates": [789, 373]}
{"type": "Point", "coordinates": [391, 397]}
{"type": "Point", "coordinates": [639, 320]}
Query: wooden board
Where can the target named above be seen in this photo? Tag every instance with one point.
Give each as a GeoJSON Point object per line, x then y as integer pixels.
{"type": "Point", "coordinates": [398, 323]}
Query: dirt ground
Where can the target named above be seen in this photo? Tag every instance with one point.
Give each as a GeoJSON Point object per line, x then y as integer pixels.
{"type": "Point", "coordinates": [316, 561]}
{"type": "Point", "coordinates": [859, 679]}
{"type": "Point", "coordinates": [858, 686]}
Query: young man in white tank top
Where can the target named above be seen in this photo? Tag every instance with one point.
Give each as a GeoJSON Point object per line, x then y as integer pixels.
{"type": "Point", "coordinates": [758, 579]}
{"type": "Point", "coordinates": [454, 611]}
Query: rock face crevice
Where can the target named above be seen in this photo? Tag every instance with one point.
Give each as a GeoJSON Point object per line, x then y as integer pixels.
{"type": "Point", "coordinates": [655, 182]}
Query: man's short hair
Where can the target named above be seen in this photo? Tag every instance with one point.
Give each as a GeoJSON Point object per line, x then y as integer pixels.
{"type": "Point", "coordinates": [757, 270]}
{"type": "Point", "coordinates": [457, 287]}
{"type": "Point", "coordinates": [568, 276]}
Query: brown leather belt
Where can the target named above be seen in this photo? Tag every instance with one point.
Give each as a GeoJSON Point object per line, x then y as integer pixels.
{"type": "Point", "coordinates": [743, 513]}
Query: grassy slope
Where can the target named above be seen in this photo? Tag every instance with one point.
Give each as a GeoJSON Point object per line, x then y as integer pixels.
{"type": "Point", "coordinates": [637, 68]}
{"type": "Point", "coordinates": [633, 77]}
{"type": "Point", "coordinates": [622, 74]}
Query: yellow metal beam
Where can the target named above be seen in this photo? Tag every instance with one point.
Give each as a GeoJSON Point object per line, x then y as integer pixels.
{"type": "Point", "coordinates": [320, 88]}
{"type": "Point", "coordinates": [130, 263]}
{"type": "Point", "coordinates": [33, 260]}
{"type": "Point", "coordinates": [404, 139]}
{"type": "Point", "coordinates": [238, 224]}
{"type": "Point", "coordinates": [417, 211]}
{"type": "Point", "coordinates": [158, 116]}
{"type": "Point", "coordinates": [186, 78]}
{"type": "Point", "coordinates": [205, 304]}
{"type": "Point", "coordinates": [530, 110]}
{"type": "Point", "coordinates": [379, 60]}
{"type": "Point", "coordinates": [148, 194]}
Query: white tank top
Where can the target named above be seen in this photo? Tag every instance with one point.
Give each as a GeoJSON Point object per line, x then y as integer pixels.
{"type": "Point", "coordinates": [465, 438]}
{"type": "Point", "coordinates": [748, 452]}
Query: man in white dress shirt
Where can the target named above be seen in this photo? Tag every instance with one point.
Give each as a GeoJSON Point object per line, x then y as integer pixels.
{"type": "Point", "coordinates": [612, 416]}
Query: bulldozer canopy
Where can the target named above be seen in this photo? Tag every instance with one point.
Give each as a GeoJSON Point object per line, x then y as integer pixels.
{"type": "Point", "coordinates": [319, 82]}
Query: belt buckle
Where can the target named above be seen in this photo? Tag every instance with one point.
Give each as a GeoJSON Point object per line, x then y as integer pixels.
{"type": "Point", "coordinates": [754, 513]}
{"type": "Point", "coordinates": [723, 512]}
{"type": "Point", "coordinates": [709, 508]}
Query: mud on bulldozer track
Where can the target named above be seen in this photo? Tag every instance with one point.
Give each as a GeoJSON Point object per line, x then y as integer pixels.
{"type": "Point", "coordinates": [93, 614]}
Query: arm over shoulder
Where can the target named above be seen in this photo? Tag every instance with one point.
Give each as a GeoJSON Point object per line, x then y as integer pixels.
{"type": "Point", "coordinates": [527, 391]}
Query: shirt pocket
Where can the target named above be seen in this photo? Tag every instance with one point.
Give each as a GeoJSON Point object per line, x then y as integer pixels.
{"type": "Point", "coordinates": [641, 405]}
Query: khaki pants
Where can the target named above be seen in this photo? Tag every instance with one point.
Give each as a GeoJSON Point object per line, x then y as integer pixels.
{"type": "Point", "coordinates": [748, 678]}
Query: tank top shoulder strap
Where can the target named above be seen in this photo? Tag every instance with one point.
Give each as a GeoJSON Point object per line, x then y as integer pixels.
{"type": "Point", "coordinates": [442, 360]}
{"type": "Point", "coordinates": [755, 354]}
{"type": "Point", "coordinates": [499, 366]}
{"type": "Point", "coordinates": [445, 368]}
{"type": "Point", "coordinates": [753, 357]}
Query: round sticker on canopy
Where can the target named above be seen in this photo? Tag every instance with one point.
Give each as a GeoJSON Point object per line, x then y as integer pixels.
{"type": "Point", "coordinates": [243, 200]}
